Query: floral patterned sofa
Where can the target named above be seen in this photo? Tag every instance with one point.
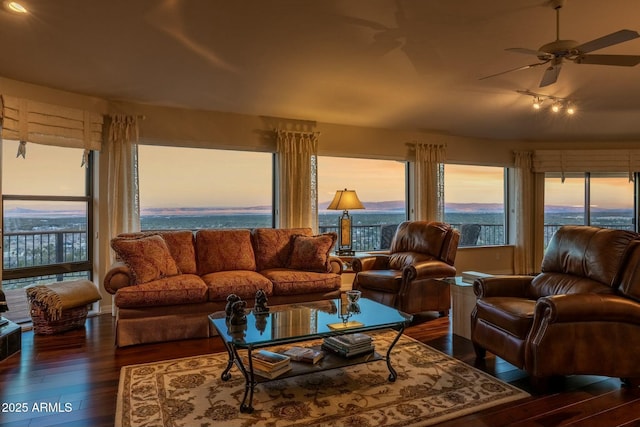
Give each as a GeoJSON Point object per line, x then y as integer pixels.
{"type": "Point", "coordinates": [166, 283]}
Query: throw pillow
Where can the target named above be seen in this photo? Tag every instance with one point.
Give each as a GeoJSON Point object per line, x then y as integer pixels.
{"type": "Point", "coordinates": [148, 257]}
{"type": "Point", "coordinates": [311, 253]}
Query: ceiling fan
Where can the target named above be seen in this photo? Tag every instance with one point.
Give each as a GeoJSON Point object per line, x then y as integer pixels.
{"type": "Point", "coordinates": [555, 52]}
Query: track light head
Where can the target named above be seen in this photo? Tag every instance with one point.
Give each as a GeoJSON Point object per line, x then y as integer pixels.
{"type": "Point", "coordinates": [537, 103]}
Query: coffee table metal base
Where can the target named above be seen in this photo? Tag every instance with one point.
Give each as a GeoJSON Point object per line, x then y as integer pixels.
{"type": "Point", "coordinates": [251, 379]}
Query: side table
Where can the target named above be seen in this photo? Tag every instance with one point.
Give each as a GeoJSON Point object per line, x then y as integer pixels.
{"type": "Point", "coordinates": [463, 300]}
{"type": "Point", "coordinates": [10, 339]}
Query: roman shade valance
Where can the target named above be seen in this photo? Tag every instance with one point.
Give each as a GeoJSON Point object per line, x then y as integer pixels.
{"type": "Point", "coordinates": [565, 161]}
{"type": "Point", "coordinates": [31, 121]}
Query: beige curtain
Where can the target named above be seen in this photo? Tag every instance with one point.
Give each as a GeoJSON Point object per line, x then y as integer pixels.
{"type": "Point", "coordinates": [525, 218]}
{"type": "Point", "coordinates": [123, 196]}
{"type": "Point", "coordinates": [429, 182]}
{"type": "Point", "coordinates": [296, 163]}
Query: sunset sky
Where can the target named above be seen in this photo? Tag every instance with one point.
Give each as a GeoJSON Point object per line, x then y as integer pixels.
{"type": "Point", "coordinates": [174, 177]}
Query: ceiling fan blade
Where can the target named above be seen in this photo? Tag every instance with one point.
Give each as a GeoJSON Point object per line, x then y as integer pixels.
{"type": "Point", "coordinates": [620, 60]}
{"type": "Point", "coordinates": [526, 51]}
{"type": "Point", "coordinates": [551, 74]}
{"type": "Point", "coordinates": [608, 40]}
{"type": "Point", "coordinates": [524, 67]}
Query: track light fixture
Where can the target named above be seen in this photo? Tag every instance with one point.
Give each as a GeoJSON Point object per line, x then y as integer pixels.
{"type": "Point", "coordinates": [557, 104]}
{"type": "Point", "coordinates": [537, 103]}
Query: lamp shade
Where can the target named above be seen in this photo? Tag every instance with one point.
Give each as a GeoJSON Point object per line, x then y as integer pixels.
{"type": "Point", "coordinates": [345, 200]}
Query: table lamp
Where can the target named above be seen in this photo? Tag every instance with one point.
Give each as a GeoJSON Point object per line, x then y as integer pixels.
{"type": "Point", "coordinates": [343, 201]}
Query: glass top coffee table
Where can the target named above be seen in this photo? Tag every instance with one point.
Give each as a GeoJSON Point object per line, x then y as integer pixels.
{"type": "Point", "coordinates": [295, 323]}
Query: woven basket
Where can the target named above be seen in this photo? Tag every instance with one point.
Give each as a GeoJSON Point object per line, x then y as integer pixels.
{"type": "Point", "coordinates": [72, 318]}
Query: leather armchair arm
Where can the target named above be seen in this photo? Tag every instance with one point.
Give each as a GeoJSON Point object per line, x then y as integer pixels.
{"type": "Point", "coordinates": [588, 308]}
{"type": "Point", "coordinates": [337, 266]}
{"type": "Point", "coordinates": [427, 269]}
{"type": "Point", "coordinates": [118, 276]}
{"type": "Point", "coordinates": [370, 262]}
{"type": "Point", "coordinates": [502, 286]}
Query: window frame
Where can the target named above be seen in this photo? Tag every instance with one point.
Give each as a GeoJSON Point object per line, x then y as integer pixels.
{"type": "Point", "coordinates": [507, 196]}
{"type": "Point", "coordinates": [586, 200]}
{"type": "Point", "coordinates": [64, 267]}
{"type": "Point", "coordinates": [274, 175]}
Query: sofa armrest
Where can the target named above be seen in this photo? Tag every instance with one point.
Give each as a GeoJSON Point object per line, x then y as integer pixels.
{"type": "Point", "coordinates": [370, 262]}
{"type": "Point", "coordinates": [502, 286]}
{"type": "Point", "coordinates": [118, 276]}
{"type": "Point", "coordinates": [337, 266]}
{"type": "Point", "coordinates": [588, 307]}
{"type": "Point", "coordinates": [428, 269]}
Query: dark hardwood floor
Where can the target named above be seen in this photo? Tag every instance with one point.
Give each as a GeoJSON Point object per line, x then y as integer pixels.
{"type": "Point", "coordinates": [82, 368]}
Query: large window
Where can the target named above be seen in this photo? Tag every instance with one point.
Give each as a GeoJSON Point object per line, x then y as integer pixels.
{"type": "Point", "coordinates": [380, 186]}
{"type": "Point", "coordinates": [598, 199]}
{"type": "Point", "coordinates": [47, 220]}
{"type": "Point", "coordinates": [193, 188]}
{"type": "Point", "coordinates": [475, 203]}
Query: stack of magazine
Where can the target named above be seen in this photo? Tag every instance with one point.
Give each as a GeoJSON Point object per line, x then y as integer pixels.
{"type": "Point", "coordinates": [269, 364]}
{"type": "Point", "coordinates": [349, 345]}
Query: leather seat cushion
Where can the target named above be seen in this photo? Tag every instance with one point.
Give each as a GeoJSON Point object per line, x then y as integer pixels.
{"type": "Point", "coordinates": [381, 280]}
{"type": "Point", "coordinates": [513, 315]}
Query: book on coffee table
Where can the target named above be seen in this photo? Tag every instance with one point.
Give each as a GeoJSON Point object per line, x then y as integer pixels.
{"type": "Point", "coordinates": [349, 345]}
{"type": "Point", "coordinates": [275, 373]}
{"type": "Point", "coordinates": [267, 361]}
{"type": "Point", "coordinates": [304, 354]}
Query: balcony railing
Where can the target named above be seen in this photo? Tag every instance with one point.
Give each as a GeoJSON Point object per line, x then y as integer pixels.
{"type": "Point", "coordinates": [368, 237]}
{"type": "Point", "coordinates": [33, 248]}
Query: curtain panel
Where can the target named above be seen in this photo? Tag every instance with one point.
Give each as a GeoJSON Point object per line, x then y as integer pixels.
{"type": "Point", "coordinates": [429, 181]}
{"type": "Point", "coordinates": [30, 121]}
{"type": "Point", "coordinates": [296, 175]}
{"type": "Point", "coordinates": [123, 194]}
{"type": "Point", "coordinates": [525, 226]}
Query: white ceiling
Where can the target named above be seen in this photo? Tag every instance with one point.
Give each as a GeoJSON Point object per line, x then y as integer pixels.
{"type": "Point", "coordinates": [317, 60]}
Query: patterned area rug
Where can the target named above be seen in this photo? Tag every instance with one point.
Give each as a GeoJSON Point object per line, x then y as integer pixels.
{"type": "Point", "coordinates": [431, 387]}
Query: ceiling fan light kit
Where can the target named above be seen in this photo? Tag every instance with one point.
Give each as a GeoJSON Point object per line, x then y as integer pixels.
{"type": "Point", "coordinates": [557, 104]}
{"type": "Point", "coordinates": [554, 53]}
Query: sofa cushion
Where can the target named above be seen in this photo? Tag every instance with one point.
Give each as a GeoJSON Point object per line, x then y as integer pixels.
{"type": "Point", "coordinates": [420, 236]}
{"type": "Point", "coordinates": [546, 284]}
{"type": "Point", "coordinates": [595, 253]}
{"type": "Point", "coordinates": [181, 244]}
{"type": "Point", "coordinates": [311, 253]}
{"type": "Point", "coordinates": [224, 250]}
{"type": "Point", "coordinates": [272, 246]}
{"type": "Point", "coordinates": [243, 283]}
{"type": "Point", "coordinates": [148, 257]}
{"type": "Point", "coordinates": [180, 289]}
{"type": "Point", "coordinates": [292, 282]}
{"type": "Point", "coordinates": [513, 315]}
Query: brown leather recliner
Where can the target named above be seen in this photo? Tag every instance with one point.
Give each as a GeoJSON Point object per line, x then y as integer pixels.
{"type": "Point", "coordinates": [405, 278]}
{"type": "Point", "coordinates": [580, 315]}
